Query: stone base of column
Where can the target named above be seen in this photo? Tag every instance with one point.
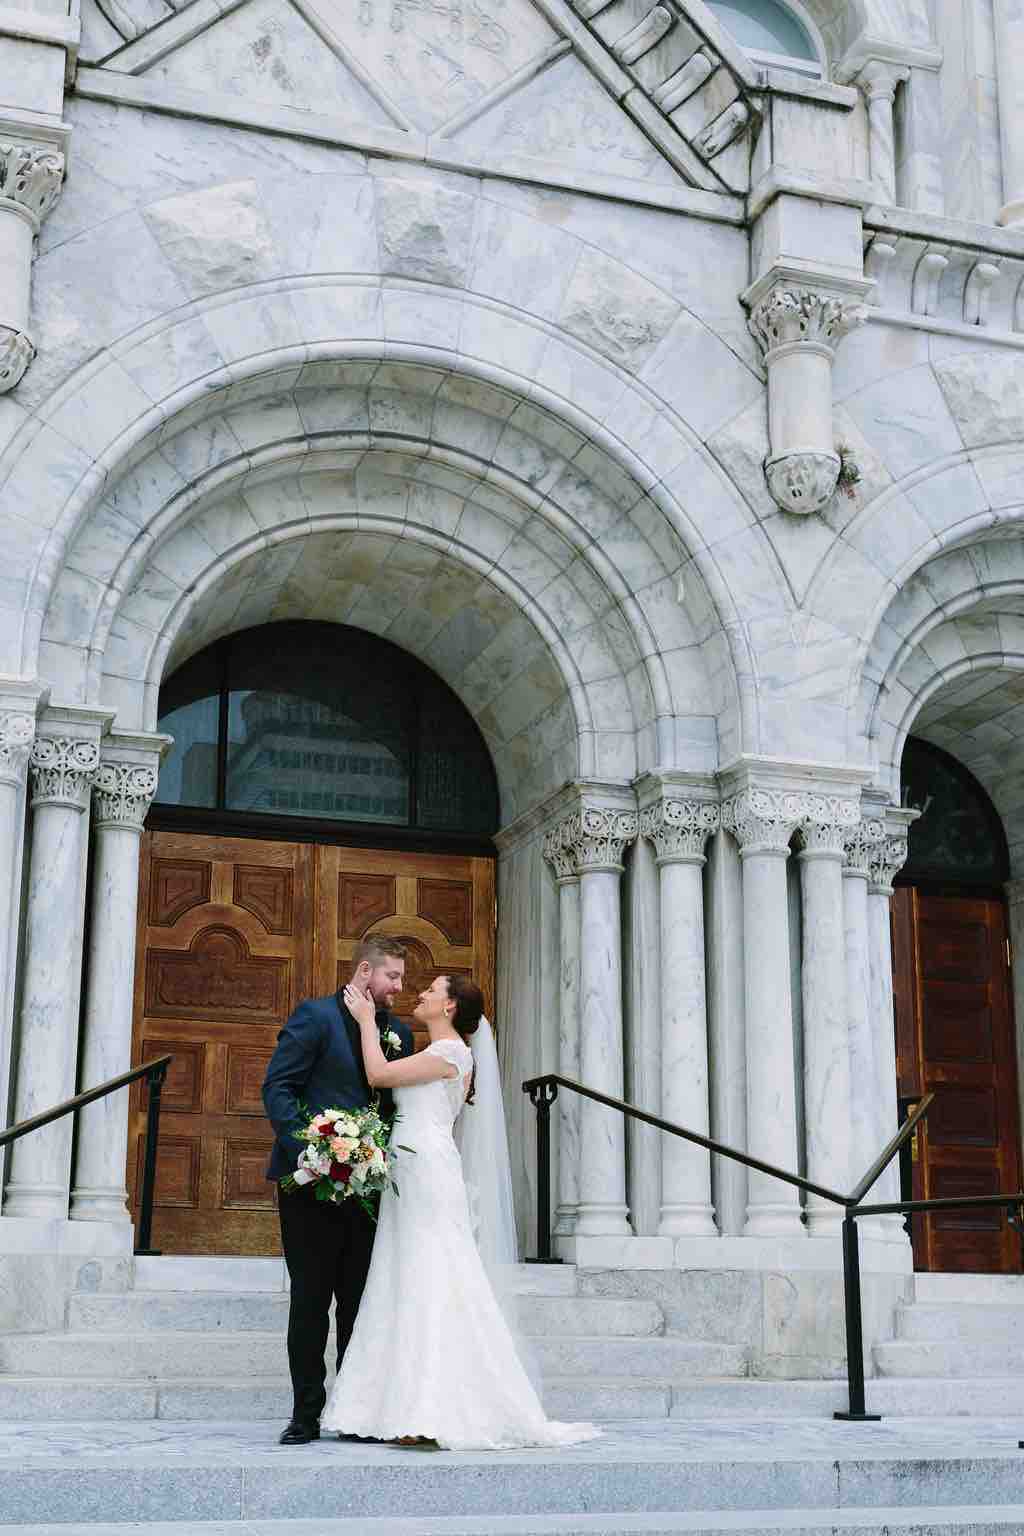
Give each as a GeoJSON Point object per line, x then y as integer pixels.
{"type": "Point", "coordinates": [597, 1219]}
{"type": "Point", "coordinates": [565, 1221]}
{"type": "Point", "coordinates": [823, 1221]}
{"type": "Point", "coordinates": [100, 1205]}
{"type": "Point", "coordinates": [782, 1220]}
{"type": "Point", "coordinates": [1012, 214]}
{"type": "Point", "coordinates": [103, 1239]}
{"type": "Point", "coordinates": [616, 1252]}
{"type": "Point", "coordinates": [35, 1202]}
{"type": "Point", "coordinates": [687, 1220]}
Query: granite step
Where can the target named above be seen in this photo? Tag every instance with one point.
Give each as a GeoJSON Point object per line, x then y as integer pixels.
{"type": "Point", "coordinates": [971, 1520]}
{"type": "Point", "coordinates": [997, 1322]}
{"type": "Point", "coordinates": [74, 1474]}
{"type": "Point", "coordinates": [267, 1312]}
{"type": "Point", "coordinates": [193, 1355]}
{"type": "Point", "coordinates": [950, 1357]}
{"type": "Point", "coordinates": [970, 1288]}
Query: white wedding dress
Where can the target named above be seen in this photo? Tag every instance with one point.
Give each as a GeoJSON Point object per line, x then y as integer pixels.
{"type": "Point", "coordinates": [431, 1353]}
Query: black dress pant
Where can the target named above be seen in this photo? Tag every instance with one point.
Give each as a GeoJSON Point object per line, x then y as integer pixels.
{"type": "Point", "coordinates": [327, 1249]}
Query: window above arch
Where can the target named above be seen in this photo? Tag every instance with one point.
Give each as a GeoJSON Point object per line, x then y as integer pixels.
{"type": "Point", "coordinates": [959, 837]}
{"type": "Point", "coordinates": [772, 33]}
{"type": "Point", "coordinates": [324, 723]}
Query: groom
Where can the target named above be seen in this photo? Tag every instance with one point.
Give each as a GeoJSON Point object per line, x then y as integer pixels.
{"type": "Point", "coordinates": [318, 1063]}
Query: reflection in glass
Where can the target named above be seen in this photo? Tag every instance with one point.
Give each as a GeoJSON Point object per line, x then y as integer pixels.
{"type": "Point", "coordinates": [328, 723]}
{"type": "Point", "coordinates": [765, 26]}
{"type": "Point", "coordinates": [959, 837]}
{"type": "Point", "coordinates": [295, 756]}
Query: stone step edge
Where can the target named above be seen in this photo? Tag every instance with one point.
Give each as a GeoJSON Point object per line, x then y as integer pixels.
{"type": "Point", "coordinates": [925, 1519]}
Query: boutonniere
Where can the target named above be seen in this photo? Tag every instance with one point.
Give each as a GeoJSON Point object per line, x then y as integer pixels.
{"type": "Point", "coordinates": [391, 1042]}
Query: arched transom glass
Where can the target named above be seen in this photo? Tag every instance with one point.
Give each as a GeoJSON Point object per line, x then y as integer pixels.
{"type": "Point", "coordinates": [768, 28]}
{"type": "Point", "coordinates": [327, 723]}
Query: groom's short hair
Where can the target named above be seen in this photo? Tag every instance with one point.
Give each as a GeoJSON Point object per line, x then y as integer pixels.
{"type": "Point", "coordinates": [375, 951]}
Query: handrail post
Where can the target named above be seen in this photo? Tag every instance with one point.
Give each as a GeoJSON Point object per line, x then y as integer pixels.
{"type": "Point", "coordinates": [543, 1095]}
{"type": "Point", "coordinates": [854, 1323]}
{"type": "Point", "coordinates": [155, 1084]}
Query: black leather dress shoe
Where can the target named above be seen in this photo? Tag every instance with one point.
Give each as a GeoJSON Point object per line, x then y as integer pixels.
{"type": "Point", "coordinates": [298, 1433]}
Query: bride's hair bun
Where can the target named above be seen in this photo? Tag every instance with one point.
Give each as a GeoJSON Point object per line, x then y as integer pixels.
{"type": "Point", "coordinates": [469, 1004]}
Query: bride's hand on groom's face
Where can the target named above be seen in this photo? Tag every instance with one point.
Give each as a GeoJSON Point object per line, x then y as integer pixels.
{"type": "Point", "coordinates": [360, 1006]}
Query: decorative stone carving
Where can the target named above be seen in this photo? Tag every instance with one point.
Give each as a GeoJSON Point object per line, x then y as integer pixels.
{"type": "Point", "coordinates": [977, 292]}
{"type": "Point", "coordinates": [596, 837]}
{"type": "Point", "coordinates": [643, 37]}
{"type": "Point", "coordinates": [887, 859]}
{"type": "Point", "coordinates": [924, 297]}
{"type": "Point", "coordinates": [802, 482]}
{"type": "Point", "coordinates": [798, 330]}
{"type": "Point", "coordinates": [31, 175]}
{"type": "Point", "coordinates": [861, 845]}
{"type": "Point", "coordinates": [827, 827]}
{"type": "Point", "coordinates": [679, 829]}
{"type": "Point", "coordinates": [16, 352]}
{"type": "Point", "coordinates": [787, 315]}
{"type": "Point", "coordinates": [17, 732]}
{"type": "Point", "coordinates": [671, 93]}
{"type": "Point", "coordinates": [558, 853]}
{"type": "Point", "coordinates": [63, 771]}
{"type": "Point", "coordinates": [878, 81]}
{"type": "Point", "coordinates": [725, 130]}
{"type": "Point", "coordinates": [122, 794]}
{"type": "Point", "coordinates": [30, 183]}
{"type": "Point", "coordinates": [762, 820]}
{"type": "Point", "coordinates": [765, 819]}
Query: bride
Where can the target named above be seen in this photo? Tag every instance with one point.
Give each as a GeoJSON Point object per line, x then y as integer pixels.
{"type": "Point", "coordinates": [431, 1358]}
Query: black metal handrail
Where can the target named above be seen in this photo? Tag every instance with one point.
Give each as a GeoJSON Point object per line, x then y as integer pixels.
{"type": "Point", "coordinates": [543, 1092]}
{"type": "Point", "coordinates": [154, 1072]}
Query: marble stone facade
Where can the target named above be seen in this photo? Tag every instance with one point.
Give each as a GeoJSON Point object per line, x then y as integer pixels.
{"type": "Point", "coordinates": [669, 406]}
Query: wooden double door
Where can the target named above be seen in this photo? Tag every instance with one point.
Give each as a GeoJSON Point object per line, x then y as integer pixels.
{"type": "Point", "coordinates": [233, 933]}
{"type": "Point", "coordinates": [955, 1038]}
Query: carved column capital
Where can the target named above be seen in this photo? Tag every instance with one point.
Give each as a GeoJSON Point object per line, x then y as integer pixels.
{"type": "Point", "coordinates": [559, 854]}
{"type": "Point", "coordinates": [680, 828]}
{"type": "Point", "coordinates": [789, 315]}
{"type": "Point", "coordinates": [31, 177]}
{"type": "Point", "coordinates": [861, 846]}
{"type": "Point", "coordinates": [762, 820]}
{"type": "Point", "coordinates": [887, 859]}
{"type": "Point", "coordinates": [879, 78]}
{"type": "Point", "coordinates": [596, 837]}
{"type": "Point", "coordinates": [17, 732]}
{"type": "Point", "coordinates": [122, 793]}
{"type": "Point", "coordinates": [16, 352]}
{"type": "Point", "coordinates": [826, 824]}
{"type": "Point", "coordinates": [63, 771]}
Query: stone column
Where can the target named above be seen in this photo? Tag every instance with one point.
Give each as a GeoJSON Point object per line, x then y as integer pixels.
{"type": "Point", "coordinates": [887, 859]}
{"type": "Point", "coordinates": [30, 182]}
{"type": "Point", "coordinates": [823, 986]}
{"type": "Point", "coordinates": [763, 821]}
{"type": "Point", "coordinates": [599, 835]}
{"type": "Point", "coordinates": [1008, 16]}
{"type": "Point", "coordinates": [123, 791]}
{"type": "Point", "coordinates": [558, 853]}
{"type": "Point", "coordinates": [679, 830]}
{"type": "Point", "coordinates": [798, 330]}
{"type": "Point", "coordinates": [641, 950]}
{"type": "Point", "coordinates": [17, 731]}
{"type": "Point", "coordinates": [861, 843]}
{"type": "Point", "coordinates": [63, 762]}
{"type": "Point", "coordinates": [878, 81]}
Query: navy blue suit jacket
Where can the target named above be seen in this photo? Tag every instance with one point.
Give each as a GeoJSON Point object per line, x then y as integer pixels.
{"type": "Point", "coordinates": [318, 1062]}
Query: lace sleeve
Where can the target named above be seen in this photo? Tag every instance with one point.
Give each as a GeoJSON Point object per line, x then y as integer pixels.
{"type": "Point", "coordinates": [454, 1051]}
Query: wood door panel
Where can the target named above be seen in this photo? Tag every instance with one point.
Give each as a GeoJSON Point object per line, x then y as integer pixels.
{"type": "Point", "coordinates": [224, 955]}
{"type": "Point", "coordinates": [440, 906]}
{"type": "Point", "coordinates": [955, 1037]}
{"type": "Point", "coordinates": [233, 933]}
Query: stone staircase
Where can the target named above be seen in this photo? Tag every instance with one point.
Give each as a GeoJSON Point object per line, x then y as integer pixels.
{"type": "Point", "coordinates": [161, 1405]}
{"type": "Point", "coordinates": [203, 1340]}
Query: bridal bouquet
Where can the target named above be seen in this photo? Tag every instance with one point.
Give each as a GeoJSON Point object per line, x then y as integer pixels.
{"type": "Point", "coordinates": [347, 1154]}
